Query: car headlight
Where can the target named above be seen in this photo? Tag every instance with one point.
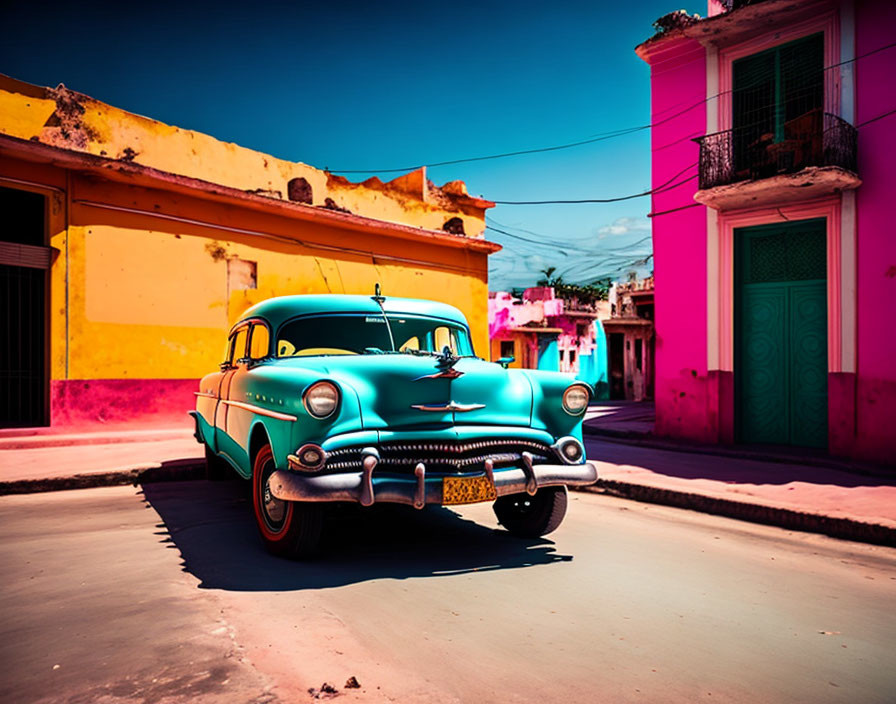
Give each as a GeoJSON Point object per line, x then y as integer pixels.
{"type": "Point", "coordinates": [575, 399]}
{"type": "Point", "coordinates": [321, 399]}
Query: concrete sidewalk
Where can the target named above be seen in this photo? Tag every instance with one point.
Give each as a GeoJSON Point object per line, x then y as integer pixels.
{"type": "Point", "coordinates": [633, 422]}
{"type": "Point", "coordinates": [794, 495]}
{"type": "Point", "coordinates": [72, 460]}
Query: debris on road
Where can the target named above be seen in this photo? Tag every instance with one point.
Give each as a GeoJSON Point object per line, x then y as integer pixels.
{"type": "Point", "coordinates": [326, 691]}
{"type": "Point", "coordinates": [352, 683]}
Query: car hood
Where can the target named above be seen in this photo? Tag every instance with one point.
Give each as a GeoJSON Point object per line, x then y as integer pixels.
{"type": "Point", "coordinates": [398, 391]}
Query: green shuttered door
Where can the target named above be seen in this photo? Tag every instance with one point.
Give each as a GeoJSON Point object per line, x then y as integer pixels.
{"type": "Point", "coordinates": [781, 334]}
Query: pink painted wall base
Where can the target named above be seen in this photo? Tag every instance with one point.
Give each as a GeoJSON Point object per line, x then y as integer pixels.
{"type": "Point", "coordinates": [149, 402]}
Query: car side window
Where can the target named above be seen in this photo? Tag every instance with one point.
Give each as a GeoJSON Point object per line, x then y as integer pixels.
{"type": "Point", "coordinates": [442, 337]}
{"type": "Point", "coordinates": [412, 343]}
{"type": "Point", "coordinates": [238, 345]}
{"type": "Point", "coordinates": [285, 348]}
{"type": "Point", "coordinates": [259, 342]}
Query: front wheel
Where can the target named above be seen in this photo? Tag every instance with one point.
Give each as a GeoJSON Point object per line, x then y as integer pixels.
{"type": "Point", "coordinates": [532, 516]}
{"type": "Point", "coordinates": [288, 528]}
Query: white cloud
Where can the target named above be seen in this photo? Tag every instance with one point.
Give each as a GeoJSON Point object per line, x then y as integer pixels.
{"type": "Point", "coordinates": [624, 226]}
{"type": "Point", "coordinates": [535, 263]}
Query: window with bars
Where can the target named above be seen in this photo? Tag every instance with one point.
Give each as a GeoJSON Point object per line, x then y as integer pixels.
{"type": "Point", "coordinates": [777, 106]}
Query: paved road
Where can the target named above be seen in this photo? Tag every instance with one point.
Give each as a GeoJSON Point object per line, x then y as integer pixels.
{"type": "Point", "coordinates": [117, 596]}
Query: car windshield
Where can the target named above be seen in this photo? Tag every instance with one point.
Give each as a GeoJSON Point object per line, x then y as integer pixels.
{"type": "Point", "coordinates": [369, 334]}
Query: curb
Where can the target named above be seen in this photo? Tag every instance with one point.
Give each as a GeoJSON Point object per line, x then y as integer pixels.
{"type": "Point", "coordinates": [630, 437]}
{"type": "Point", "coordinates": [173, 471]}
{"type": "Point", "coordinates": [843, 528]}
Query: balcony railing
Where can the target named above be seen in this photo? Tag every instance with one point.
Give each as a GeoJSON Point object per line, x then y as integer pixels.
{"type": "Point", "coordinates": [743, 154]}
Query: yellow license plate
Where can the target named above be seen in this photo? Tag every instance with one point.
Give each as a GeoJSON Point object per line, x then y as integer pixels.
{"type": "Point", "coordinates": [467, 490]}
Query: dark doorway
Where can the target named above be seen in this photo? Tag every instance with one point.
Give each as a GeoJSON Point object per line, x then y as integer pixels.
{"type": "Point", "coordinates": [24, 263]}
{"type": "Point", "coordinates": [651, 368]}
{"type": "Point", "coordinates": [617, 366]}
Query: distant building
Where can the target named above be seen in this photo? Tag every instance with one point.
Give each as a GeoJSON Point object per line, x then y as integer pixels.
{"type": "Point", "coordinates": [128, 247]}
{"type": "Point", "coordinates": [630, 340]}
{"type": "Point", "coordinates": [541, 331]}
{"type": "Point", "coordinates": [775, 271]}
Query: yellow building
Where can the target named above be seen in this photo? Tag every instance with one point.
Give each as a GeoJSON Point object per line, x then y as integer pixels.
{"type": "Point", "coordinates": [128, 247]}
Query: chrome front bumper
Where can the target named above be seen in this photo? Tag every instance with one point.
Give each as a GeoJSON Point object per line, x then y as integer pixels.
{"type": "Point", "coordinates": [366, 488]}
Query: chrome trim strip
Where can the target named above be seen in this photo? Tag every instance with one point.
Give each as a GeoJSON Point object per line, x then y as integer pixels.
{"type": "Point", "coordinates": [450, 406]}
{"type": "Point", "coordinates": [261, 411]}
{"type": "Point", "coordinates": [205, 394]}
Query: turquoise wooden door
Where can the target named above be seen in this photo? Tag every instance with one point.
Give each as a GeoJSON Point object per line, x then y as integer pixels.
{"type": "Point", "coordinates": [780, 334]}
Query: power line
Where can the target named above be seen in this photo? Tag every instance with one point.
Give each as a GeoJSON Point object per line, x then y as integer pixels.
{"type": "Point", "coordinates": [598, 138]}
{"type": "Point", "coordinates": [572, 249]}
{"type": "Point", "coordinates": [549, 239]}
{"type": "Point", "coordinates": [875, 119]}
{"type": "Point", "coordinates": [668, 186]}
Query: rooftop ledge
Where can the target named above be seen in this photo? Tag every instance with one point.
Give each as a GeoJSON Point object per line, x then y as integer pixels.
{"type": "Point", "coordinates": [135, 174]}
{"type": "Point", "coordinates": [811, 182]}
{"type": "Point", "coordinates": [733, 26]}
{"type": "Point", "coordinates": [72, 122]}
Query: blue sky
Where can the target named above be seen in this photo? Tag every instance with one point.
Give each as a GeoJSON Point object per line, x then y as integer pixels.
{"type": "Point", "coordinates": [366, 86]}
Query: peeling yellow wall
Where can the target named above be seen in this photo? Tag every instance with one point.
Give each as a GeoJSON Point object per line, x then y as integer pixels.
{"type": "Point", "coordinates": [152, 304]}
{"type": "Point", "coordinates": [64, 118]}
{"type": "Point", "coordinates": [140, 297]}
{"type": "Point", "coordinates": [145, 282]}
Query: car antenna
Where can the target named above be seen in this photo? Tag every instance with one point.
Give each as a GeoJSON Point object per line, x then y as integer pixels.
{"type": "Point", "coordinates": [379, 298]}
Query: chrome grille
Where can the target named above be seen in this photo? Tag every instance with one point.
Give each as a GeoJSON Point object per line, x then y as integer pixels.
{"type": "Point", "coordinates": [441, 456]}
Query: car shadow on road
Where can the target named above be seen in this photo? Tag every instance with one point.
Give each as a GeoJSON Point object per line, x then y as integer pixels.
{"type": "Point", "coordinates": [211, 524]}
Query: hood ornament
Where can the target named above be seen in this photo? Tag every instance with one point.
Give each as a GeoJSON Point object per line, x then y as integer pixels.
{"type": "Point", "coordinates": [451, 406]}
{"type": "Point", "coordinates": [445, 362]}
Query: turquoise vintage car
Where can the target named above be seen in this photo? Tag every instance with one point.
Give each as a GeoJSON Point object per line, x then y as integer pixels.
{"type": "Point", "coordinates": [366, 399]}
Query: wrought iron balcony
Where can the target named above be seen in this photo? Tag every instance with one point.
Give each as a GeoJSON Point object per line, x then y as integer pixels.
{"type": "Point", "coordinates": [747, 154]}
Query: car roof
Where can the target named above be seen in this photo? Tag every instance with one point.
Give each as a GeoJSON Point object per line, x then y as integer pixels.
{"type": "Point", "coordinates": [278, 310]}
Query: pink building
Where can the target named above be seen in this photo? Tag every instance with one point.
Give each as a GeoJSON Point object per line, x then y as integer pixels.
{"type": "Point", "coordinates": [773, 140]}
{"type": "Point", "coordinates": [541, 331]}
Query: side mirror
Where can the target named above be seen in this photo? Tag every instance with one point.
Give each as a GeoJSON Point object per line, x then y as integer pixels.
{"type": "Point", "coordinates": [506, 361]}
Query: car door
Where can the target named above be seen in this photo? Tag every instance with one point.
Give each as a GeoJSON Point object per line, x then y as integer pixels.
{"type": "Point", "coordinates": [236, 358]}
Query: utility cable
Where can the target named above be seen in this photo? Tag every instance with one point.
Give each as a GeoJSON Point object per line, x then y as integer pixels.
{"type": "Point", "coordinates": [668, 185]}
{"type": "Point", "coordinates": [875, 119]}
{"type": "Point", "coordinates": [598, 138]}
{"type": "Point", "coordinates": [491, 224]}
